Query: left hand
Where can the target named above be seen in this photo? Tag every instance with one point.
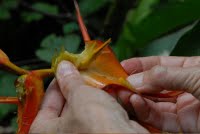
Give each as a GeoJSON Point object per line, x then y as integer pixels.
{"type": "Point", "coordinates": [155, 74]}
{"type": "Point", "coordinates": [71, 106]}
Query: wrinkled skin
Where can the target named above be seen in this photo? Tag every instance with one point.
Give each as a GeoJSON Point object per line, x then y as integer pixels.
{"type": "Point", "coordinates": [71, 106]}
{"type": "Point", "coordinates": [157, 73]}
{"type": "Point", "coordinates": [81, 108]}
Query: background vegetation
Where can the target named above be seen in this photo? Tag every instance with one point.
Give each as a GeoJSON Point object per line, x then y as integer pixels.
{"type": "Point", "coordinates": [32, 31]}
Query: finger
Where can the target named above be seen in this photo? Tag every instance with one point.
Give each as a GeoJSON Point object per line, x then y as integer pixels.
{"type": "Point", "coordinates": [186, 99]}
{"type": "Point", "coordinates": [150, 112]}
{"type": "Point", "coordinates": [124, 96]}
{"type": "Point", "coordinates": [53, 102]}
{"type": "Point", "coordinates": [88, 105]}
{"type": "Point", "coordinates": [68, 78]}
{"type": "Point", "coordinates": [167, 78]}
{"type": "Point", "coordinates": [136, 65]}
{"type": "Point", "coordinates": [188, 112]}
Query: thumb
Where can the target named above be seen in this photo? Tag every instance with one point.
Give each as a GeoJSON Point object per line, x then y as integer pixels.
{"type": "Point", "coordinates": [68, 77]}
{"type": "Point", "coordinates": [167, 78]}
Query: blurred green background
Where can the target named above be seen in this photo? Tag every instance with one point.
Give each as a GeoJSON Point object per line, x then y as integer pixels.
{"type": "Point", "coordinates": [32, 31]}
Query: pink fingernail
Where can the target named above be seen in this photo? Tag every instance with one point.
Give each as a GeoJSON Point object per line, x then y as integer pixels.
{"type": "Point", "coordinates": [136, 80]}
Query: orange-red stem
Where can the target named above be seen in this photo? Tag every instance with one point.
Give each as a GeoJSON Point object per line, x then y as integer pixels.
{"type": "Point", "coordinates": [9, 100]}
{"type": "Point", "coordinates": [84, 32]}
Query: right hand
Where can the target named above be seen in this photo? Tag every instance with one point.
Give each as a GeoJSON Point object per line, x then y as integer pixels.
{"type": "Point", "coordinates": [155, 74]}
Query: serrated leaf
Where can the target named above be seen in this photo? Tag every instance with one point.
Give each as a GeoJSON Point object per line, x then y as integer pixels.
{"type": "Point", "coordinates": [90, 6]}
{"type": "Point", "coordinates": [189, 44]}
{"type": "Point", "coordinates": [70, 27]}
{"type": "Point", "coordinates": [52, 44]}
{"type": "Point", "coordinates": [6, 89]}
{"type": "Point", "coordinates": [157, 20]}
{"type": "Point", "coordinates": [164, 45]}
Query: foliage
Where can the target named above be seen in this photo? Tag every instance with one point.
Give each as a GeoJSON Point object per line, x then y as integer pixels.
{"type": "Point", "coordinates": [5, 6]}
{"type": "Point", "coordinates": [189, 44]}
{"type": "Point", "coordinates": [6, 90]}
{"type": "Point", "coordinates": [88, 7]}
{"type": "Point", "coordinates": [141, 28]}
{"type": "Point", "coordinates": [52, 43]}
{"type": "Point", "coordinates": [40, 7]}
{"type": "Point", "coordinates": [153, 19]}
{"type": "Point", "coordinates": [70, 28]}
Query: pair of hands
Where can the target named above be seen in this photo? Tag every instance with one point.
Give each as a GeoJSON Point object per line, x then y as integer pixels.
{"type": "Point", "coordinates": [70, 105]}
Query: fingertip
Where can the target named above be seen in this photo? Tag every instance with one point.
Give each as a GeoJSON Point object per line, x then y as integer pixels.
{"type": "Point", "coordinates": [137, 101]}
{"type": "Point", "coordinates": [136, 80]}
{"type": "Point", "coordinates": [140, 107]}
{"type": "Point", "coordinates": [132, 66]}
{"type": "Point", "coordinates": [123, 63]}
{"type": "Point", "coordinates": [65, 68]}
{"type": "Point", "coordinates": [124, 96]}
{"type": "Point", "coordinates": [68, 78]}
{"type": "Point", "coordinates": [144, 82]}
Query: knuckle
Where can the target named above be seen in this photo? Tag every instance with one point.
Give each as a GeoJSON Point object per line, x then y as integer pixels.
{"type": "Point", "coordinates": [192, 61]}
{"type": "Point", "coordinates": [193, 81]}
{"type": "Point", "coordinates": [157, 73]}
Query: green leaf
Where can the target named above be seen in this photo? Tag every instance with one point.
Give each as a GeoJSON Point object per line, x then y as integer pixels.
{"type": "Point", "coordinates": [151, 19]}
{"type": "Point", "coordinates": [124, 52]}
{"type": "Point", "coordinates": [14, 123]}
{"type": "Point", "coordinates": [164, 45]}
{"type": "Point", "coordinates": [31, 16]}
{"type": "Point", "coordinates": [189, 44]}
{"type": "Point", "coordinates": [144, 9]}
{"type": "Point", "coordinates": [53, 43]}
{"type": "Point", "coordinates": [45, 7]}
{"type": "Point", "coordinates": [124, 47]}
{"type": "Point", "coordinates": [88, 7]}
{"type": "Point", "coordinates": [5, 6]}
{"type": "Point", "coordinates": [4, 14]}
{"type": "Point", "coordinates": [42, 7]}
{"type": "Point", "coordinates": [71, 43]}
{"type": "Point", "coordinates": [7, 88]}
{"type": "Point", "coordinates": [10, 4]}
{"type": "Point", "coordinates": [45, 54]}
{"type": "Point", "coordinates": [70, 27]}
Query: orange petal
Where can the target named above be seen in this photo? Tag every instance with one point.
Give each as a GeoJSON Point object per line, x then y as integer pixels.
{"type": "Point", "coordinates": [29, 107]}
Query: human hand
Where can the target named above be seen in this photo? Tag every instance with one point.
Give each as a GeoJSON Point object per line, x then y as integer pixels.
{"type": "Point", "coordinates": [71, 106]}
{"type": "Point", "coordinates": [155, 74]}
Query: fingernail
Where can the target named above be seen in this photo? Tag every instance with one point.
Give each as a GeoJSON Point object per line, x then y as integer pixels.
{"type": "Point", "coordinates": [65, 68]}
{"type": "Point", "coordinates": [136, 80]}
{"type": "Point", "coordinates": [122, 63]}
{"type": "Point", "coordinates": [135, 98]}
